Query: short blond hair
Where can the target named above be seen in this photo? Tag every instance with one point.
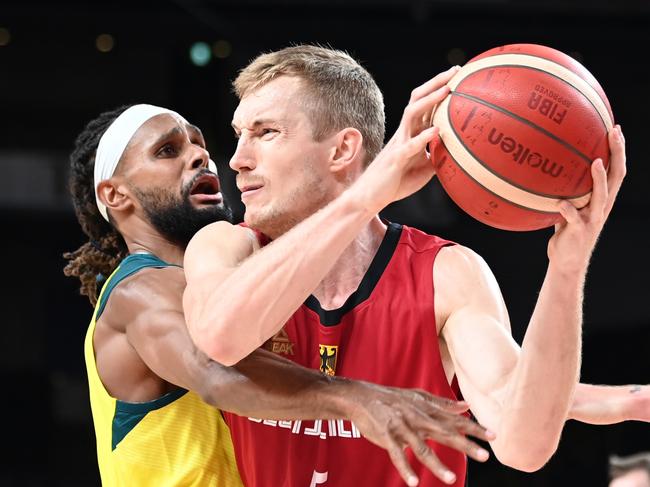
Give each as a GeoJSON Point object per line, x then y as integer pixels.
{"type": "Point", "coordinates": [340, 93]}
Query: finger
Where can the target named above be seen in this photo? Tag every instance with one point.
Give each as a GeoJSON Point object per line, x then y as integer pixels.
{"type": "Point", "coordinates": [599, 194]}
{"type": "Point", "coordinates": [418, 114]}
{"type": "Point", "coordinates": [452, 435]}
{"type": "Point", "coordinates": [462, 444]}
{"type": "Point", "coordinates": [433, 84]}
{"type": "Point", "coordinates": [472, 428]}
{"type": "Point", "coordinates": [426, 456]}
{"type": "Point", "coordinates": [617, 167]}
{"type": "Point", "coordinates": [568, 212]}
{"type": "Point", "coordinates": [444, 403]}
{"type": "Point", "coordinates": [419, 143]}
{"type": "Point", "coordinates": [398, 457]}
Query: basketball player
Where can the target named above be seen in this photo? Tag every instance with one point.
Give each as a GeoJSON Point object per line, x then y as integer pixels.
{"type": "Point", "coordinates": [360, 297]}
{"type": "Point", "coordinates": [141, 188]}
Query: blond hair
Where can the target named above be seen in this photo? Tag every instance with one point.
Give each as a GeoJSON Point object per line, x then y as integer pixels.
{"type": "Point", "coordinates": [339, 93]}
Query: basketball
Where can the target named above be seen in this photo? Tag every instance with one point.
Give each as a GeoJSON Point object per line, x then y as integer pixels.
{"type": "Point", "coordinates": [519, 132]}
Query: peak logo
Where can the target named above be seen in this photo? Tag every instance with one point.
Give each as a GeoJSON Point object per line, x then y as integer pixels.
{"type": "Point", "coordinates": [523, 155]}
{"type": "Point", "coordinates": [280, 343]}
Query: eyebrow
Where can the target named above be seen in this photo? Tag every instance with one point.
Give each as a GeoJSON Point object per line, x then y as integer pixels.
{"type": "Point", "coordinates": [167, 135]}
{"type": "Point", "coordinates": [195, 129]}
{"type": "Point", "coordinates": [256, 123]}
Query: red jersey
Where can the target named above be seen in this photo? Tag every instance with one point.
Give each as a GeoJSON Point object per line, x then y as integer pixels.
{"type": "Point", "coordinates": [384, 333]}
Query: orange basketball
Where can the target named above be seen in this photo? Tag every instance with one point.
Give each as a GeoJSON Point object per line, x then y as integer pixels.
{"type": "Point", "coordinates": [520, 129]}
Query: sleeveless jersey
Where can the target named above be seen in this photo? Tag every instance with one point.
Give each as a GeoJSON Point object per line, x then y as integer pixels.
{"type": "Point", "coordinates": [175, 440]}
{"type": "Point", "coordinates": [384, 333]}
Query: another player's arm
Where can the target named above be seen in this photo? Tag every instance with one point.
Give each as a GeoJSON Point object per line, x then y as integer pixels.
{"type": "Point", "coordinates": [263, 385]}
{"type": "Point", "coordinates": [599, 404]}
{"type": "Point", "coordinates": [232, 305]}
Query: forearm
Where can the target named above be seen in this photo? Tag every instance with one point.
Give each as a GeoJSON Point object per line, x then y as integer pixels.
{"type": "Point", "coordinates": [266, 386]}
{"type": "Point", "coordinates": [595, 404]}
{"type": "Point", "coordinates": [542, 384]}
{"type": "Point", "coordinates": [254, 301]}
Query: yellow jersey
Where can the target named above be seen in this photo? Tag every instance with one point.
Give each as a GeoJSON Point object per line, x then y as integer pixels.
{"type": "Point", "coordinates": [175, 440]}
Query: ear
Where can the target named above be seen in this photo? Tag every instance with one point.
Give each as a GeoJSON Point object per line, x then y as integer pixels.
{"type": "Point", "coordinates": [348, 150]}
{"type": "Point", "coordinates": [115, 196]}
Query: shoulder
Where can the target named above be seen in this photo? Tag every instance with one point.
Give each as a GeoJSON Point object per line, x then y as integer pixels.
{"type": "Point", "coordinates": [458, 261]}
{"type": "Point", "coordinates": [463, 280]}
{"type": "Point", "coordinates": [222, 236]}
{"type": "Point", "coordinates": [147, 291]}
{"type": "Point", "coordinates": [459, 274]}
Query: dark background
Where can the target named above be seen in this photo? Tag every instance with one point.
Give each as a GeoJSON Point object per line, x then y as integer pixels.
{"type": "Point", "coordinates": [53, 80]}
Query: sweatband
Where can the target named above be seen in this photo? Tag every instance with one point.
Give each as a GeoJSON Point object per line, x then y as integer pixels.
{"type": "Point", "coordinates": [117, 137]}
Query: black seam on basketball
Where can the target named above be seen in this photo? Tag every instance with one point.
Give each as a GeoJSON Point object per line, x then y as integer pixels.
{"type": "Point", "coordinates": [492, 192]}
{"type": "Point", "coordinates": [500, 176]}
{"type": "Point", "coordinates": [607, 107]}
{"type": "Point", "coordinates": [554, 76]}
{"type": "Point", "coordinates": [521, 119]}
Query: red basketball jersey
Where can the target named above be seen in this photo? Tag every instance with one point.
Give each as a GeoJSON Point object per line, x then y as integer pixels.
{"type": "Point", "coordinates": [384, 333]}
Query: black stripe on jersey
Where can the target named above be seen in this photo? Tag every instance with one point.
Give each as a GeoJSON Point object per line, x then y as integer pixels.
{"type": "Point", "coordinates": [385, 252]}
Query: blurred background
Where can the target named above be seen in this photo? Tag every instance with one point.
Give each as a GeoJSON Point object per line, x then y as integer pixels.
{"type": "Point", "coordinates": [62, 63]}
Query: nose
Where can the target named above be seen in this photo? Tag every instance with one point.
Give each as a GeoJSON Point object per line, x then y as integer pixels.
{"type": "Point", "coordinates": [243, 159]}
{"type": "Point", "coordinates": [199, 158]}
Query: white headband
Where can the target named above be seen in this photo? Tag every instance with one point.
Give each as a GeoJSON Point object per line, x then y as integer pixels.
{"type": "Point", "coordinates": [117, 137]}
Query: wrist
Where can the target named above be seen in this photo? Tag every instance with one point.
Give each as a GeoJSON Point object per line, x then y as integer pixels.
{"type": "Point", "coordinates": [362, 196]}
{"type": "Point", "coordinates": [343, 398]}
{"type": "Point", "coordinates": [567, 271]}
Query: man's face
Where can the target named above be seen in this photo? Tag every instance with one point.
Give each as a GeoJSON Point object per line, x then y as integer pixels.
{"type": "Point", "coordinates": [634, 478]}
{"type": "Point", "coordinates": [167, 171]}
{"type": "Point", "coordinates": [282, 171]}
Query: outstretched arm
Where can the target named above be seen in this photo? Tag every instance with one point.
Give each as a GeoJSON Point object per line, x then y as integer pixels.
{"type": "Point", "coordinates": [525, 395]}
{"type": "Point", "coordinates": [596, 404]}
{"type": "Point", "coordinates": [264, 385]}
{"type": "Point", "coordinates": [235, 301]}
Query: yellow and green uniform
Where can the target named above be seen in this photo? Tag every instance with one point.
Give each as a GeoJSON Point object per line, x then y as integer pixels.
{"type": "Point", "coordinates": [175, 440]}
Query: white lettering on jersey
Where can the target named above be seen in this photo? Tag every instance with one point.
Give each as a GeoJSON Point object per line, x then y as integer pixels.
{"type": "Point", "coordinates": [318, 478]}
{"type": "Point", "coordinates": [335, 427]}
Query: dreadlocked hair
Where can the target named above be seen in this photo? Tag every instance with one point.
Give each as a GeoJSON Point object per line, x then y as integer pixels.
{"type": "Point", "coordinates": [95, 260]}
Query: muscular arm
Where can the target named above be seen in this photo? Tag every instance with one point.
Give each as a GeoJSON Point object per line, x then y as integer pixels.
{"type": "Point", "coordinates": [522, 395]}
{"type": "Point", "coordinates": [525, 395]}
{"type": "Point", "coordinates": [236, 298]}
{"type": "Point", "coordinates": [235, 301]}
{"type": "Point", "coordinates": [264, 385]}
{"type": "Point", "coordinates": [596, 404]}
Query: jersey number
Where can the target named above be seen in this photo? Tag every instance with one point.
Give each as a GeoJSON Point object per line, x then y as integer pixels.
{"type": "Point", "coordinates": [318, 478]}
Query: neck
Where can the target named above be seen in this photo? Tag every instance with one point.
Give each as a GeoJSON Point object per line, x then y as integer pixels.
{"type": "Point", "coordinates": [348, 271]}
{"type": "Point", "coordinates": [153, 243]}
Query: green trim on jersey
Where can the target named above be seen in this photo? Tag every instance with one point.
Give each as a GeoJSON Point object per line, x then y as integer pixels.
{"type": "Point", "coordinates": [129, 266]}
{"type": "Point", "coordinates": [129, 414]}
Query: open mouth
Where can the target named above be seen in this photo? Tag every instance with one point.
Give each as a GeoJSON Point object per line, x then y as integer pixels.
{"type": "Point", "coordinates": [206, 189]}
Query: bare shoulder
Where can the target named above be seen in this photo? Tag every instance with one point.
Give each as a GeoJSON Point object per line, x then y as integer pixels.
{"type": "Point", "coordinates": [463, 279]}
{"type": "Point", "coordinates": [223, 241]}
{"type": "Point", "coordinates": [457, 263]}
{"type": "Point", "coordinates": [146, 292]}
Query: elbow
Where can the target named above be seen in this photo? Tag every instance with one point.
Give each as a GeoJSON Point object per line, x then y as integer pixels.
{"type": "Point", "coordinates": [525, 457]}
{"type": "Point", "coordinates": [216, 341]}
{"type": "Point", "coordinates": [219, 347]}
